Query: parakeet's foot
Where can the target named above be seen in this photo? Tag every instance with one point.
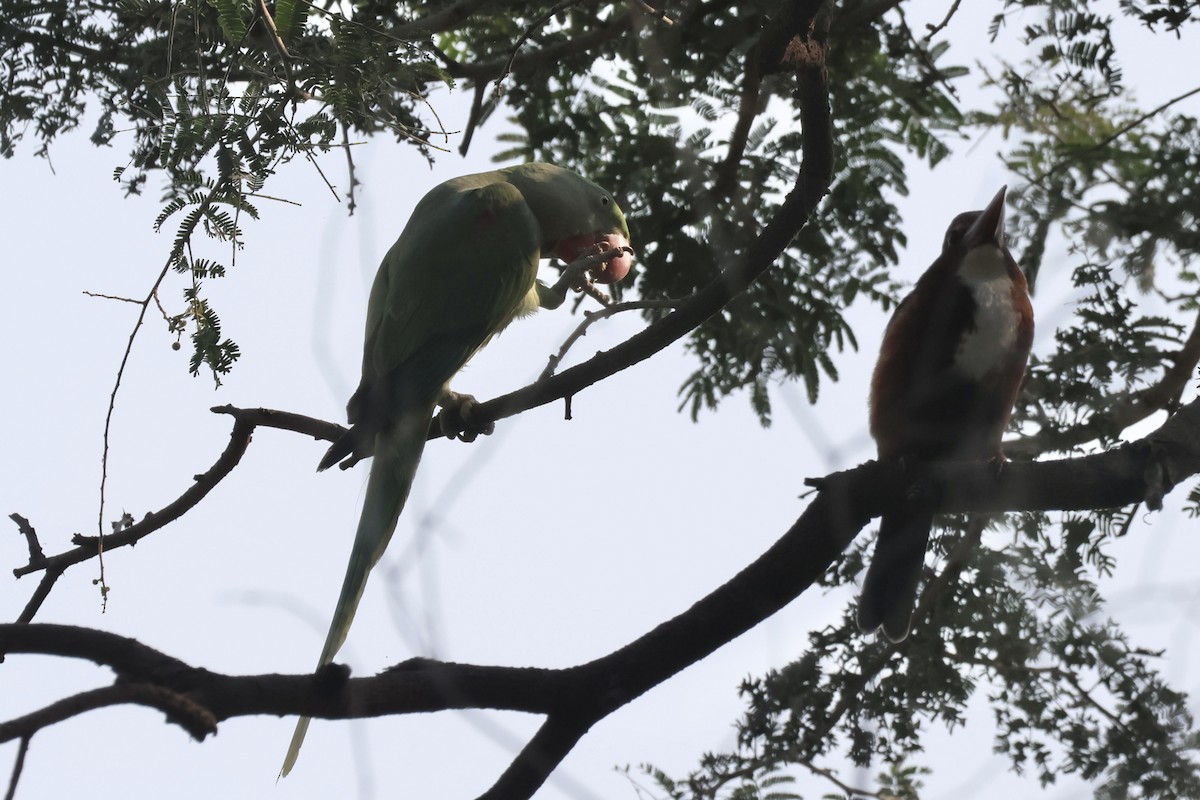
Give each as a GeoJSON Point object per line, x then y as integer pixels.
{"type": "Point", "coordinates": [457, 420]}
{"type": "Point", "coordinates": [580, 274]}
{"type": "Point", "coordinates": [348, 449]}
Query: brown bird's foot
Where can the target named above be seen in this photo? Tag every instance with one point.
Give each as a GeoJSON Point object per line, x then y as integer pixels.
{"type": "Point", "coordinates": [458, 419]}
{"type": "Point", "coordinates": [998, 465]}
{"type": "Point", "coordinates": [908, 469]}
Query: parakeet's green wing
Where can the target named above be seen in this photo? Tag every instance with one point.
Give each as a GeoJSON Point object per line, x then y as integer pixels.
{"type": "Point", "coordinates": [463, 267]}
{"type": "Point", "coordinates": [458, 273]}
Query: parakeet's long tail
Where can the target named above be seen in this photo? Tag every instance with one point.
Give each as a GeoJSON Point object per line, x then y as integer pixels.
{"type": "Point", "coordinates": [397, 454]}
{"type": "Point", "coordinates": [890, 589]}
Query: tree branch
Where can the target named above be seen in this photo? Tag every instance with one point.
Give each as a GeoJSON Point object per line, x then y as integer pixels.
{"type": "Point", "coordinates": [1119, 132]}
{"type": "Point", "coordinates": [87, 547]}
{"type": "Point", "coordinates": [31, 538]}
{"type": "Point", "coordinates": [1125, 410]}
{"type": "Point", "coordinates": [492, 70]}
{"type": "Point", "coordinates": [452, 16]}
{"type": "Point", "coordinates": [576, 698]}
{"type": "Point", "coordinates": [813, 183]}
{"type": "Point", "coordinates": [183, 712]}
{"type": "Point", "coordinates": [18, 766]}
{"type": "Point", "coordinates": [807, 58]}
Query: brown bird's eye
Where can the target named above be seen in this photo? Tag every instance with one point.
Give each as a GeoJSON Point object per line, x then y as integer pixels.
{"type": "Point", "coordinates": [958, 228]}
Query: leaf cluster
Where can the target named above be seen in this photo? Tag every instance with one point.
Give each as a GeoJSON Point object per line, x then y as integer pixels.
{"type": "Point", "coordinates": [1022, 623]}
{"type": "Point", "coordinates": [212, 98]}
{"type": "Point", "coordinates": [681, 112]}
{"type": "Point", "coordinates": [700, 161]}
{"type": "Point", "coordinates": [1015, 611]}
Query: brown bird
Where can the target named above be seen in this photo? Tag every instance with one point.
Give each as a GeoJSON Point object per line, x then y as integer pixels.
{"type": "Point", "coordinates": [949, 369]}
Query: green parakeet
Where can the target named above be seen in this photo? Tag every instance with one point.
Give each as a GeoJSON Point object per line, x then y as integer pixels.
{"type": "Point", "coordinates": [464, 266]}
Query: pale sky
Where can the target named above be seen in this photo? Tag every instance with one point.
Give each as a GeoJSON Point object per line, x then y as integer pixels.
{"type": "Point", "coordinates": [509, 551]}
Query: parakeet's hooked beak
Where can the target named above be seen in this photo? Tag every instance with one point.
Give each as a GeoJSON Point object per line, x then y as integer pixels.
{"type": "Point", "coordinates": [610, 271]}
{"type": "Point", "coordinates": [988, 228]}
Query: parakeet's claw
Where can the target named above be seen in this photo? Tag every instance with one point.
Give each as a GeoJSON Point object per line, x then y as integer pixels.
{"type": "Point", "coordinates": [346, 451]}
{"type": "Point", "coordinates": [353, 459]}
{"type": "Point", "coordinates": [457, 417]}
{"type": "Point", "coordinates": [579, 274]}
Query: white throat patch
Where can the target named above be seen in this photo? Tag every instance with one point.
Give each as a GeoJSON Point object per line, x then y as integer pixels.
{"type": "Point", "coordinates": [985, 273]}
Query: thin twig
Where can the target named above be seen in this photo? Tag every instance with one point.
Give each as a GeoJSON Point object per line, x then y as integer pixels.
{"type": "Point", "coordinates": [36, 554]}
{"type": "Point", "coordinates": [88, 547]}
{"type": "Point", "coordinates": [285, 58]}
{"type": "Point", "coordinates": [113, 297]}
{"type": "Point", "coordinates": [272, 197]}
{"type": "Point", "coordinates": [934, 30]}
{"type": "Point", "coordinates": [18, 765]}
{"type": "Point", "coordinates": [651, 11]}
{"type": "Point", "coordinates": [49, 578]}
{"type": "Point", "coordinates": [590, 317]}
{"type": "Point", "coordinates": [1119, 132]}
{"type": "Point", "coordinates": [849, 790]}
{"type": "Point", "coordinates": [308, 154]}
{"type": "Point", "coordinates": [562, 5]}
{"type": "Point", "coordinates": [112, 404]}
{"type": "Point", "coordinates": [351, 178]}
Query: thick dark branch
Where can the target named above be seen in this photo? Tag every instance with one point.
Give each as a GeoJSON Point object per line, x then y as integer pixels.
{"type": "Point", "coordinates": [793, 213]}
{"type": "Point", "coordinates": [794, 41]}
{"type": "Point", "coordinates": [811, 186]}
{"type": "Point", "coordinates": [283, 420]}
{"type": "Point", "coordinates": [452, 16]}
{"type": "Point", "coordinates": [544, 752]}
{"type": "Point", "coordinates": [93, 56]}
{"type": "Point", "coordinates": [574, 699]}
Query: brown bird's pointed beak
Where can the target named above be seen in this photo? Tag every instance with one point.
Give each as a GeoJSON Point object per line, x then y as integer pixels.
{"type": "Point", "coordinates": [989, 227]}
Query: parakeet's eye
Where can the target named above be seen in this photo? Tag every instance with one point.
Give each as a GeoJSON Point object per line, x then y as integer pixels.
{"type": "Point", "coordinates": [604, 200]}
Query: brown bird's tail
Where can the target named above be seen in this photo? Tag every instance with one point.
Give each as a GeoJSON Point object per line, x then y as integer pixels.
{"type": "Point", "coordinates": [890, 589]}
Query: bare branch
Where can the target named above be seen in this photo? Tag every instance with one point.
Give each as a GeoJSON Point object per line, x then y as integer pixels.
{"type": "Point", "coordinates": [89, 546]}
{"type": "Point", "coordinates": [591, 317]}
{"type": "Point", "coordinates": [180, 710]}
{"type": "Point", "coordinates": [18, 766]}
{"type": "Point", "coordinates": [575, 698]}
{"type": "Point", "coordinates": [31, 538]}
{"type": "Point", "coordinates": [793, 213]}
{"type": "Point", "coordinates": [934, 30]}
{"type": "Point", "coordinates": [1119, 132]}
{"type": "Point", "coordinates": [49, 578]}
